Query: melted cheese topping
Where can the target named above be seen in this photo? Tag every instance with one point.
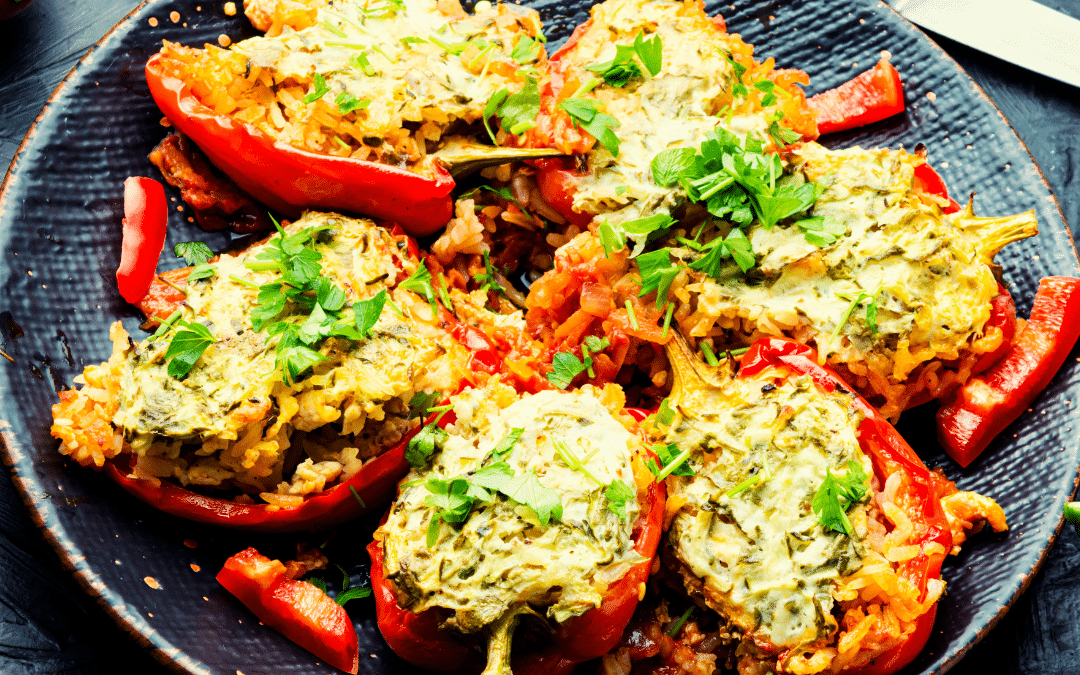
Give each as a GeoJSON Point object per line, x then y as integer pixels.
{"type": "Point", "coordinates": [233, 382]}
{"type": "Point", "coordinates": [501, 556]}
{"type": "Point", "coordinates": [765, 561]}
{"type": "Point", "coordinates": [408, 82]}
{"type": "Point", "coordinates": [676, 108]}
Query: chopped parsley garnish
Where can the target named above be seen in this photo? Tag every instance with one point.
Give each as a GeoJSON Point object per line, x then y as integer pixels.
{"type": "Point", "coordinates": [367, 312]}
{"type": "Point", "coordinates": [821, 231]}
{"type": "Point", "coordinates": [516, 112]}
{"type": "Point", "coordinates": [657, 273]}
{"type": "Point", "coordinates": [623, 67]}
{"type": "Point", "coordinates": [420, 282]}
{"type": "Point", "coordinates": [871, 312]}
{"type": "Point", "coordinates": [564, 368]}
{"type": "Point", "coordinates": [201, 272]}
{"type": "Point", "coordinates": [193, 252]}
{"type": "Point", "coordinates": [735, 246]}
{"type": "Point", "coordinates": [427, 441]}
{"type": "Point", "coordinates": [421, 401]}
{"type": "Point", "coordinates": [362, 63]}
{"type": "Point", "coordinates": [187, 345]}
{"type": "Point", "coordinates": [585, 112]}
{"type": "Point", "coordinates": [669, 164]}
{"type": "Point", "coordinates": [526, 50]}
{"type": "Point", "coordinates": [320, 90]}
{"type": "Point", "coordinates": [503, 447]}
{"type": "Point", "coordinates": [672, 462]}
{"type": "Point", "coordinates": [347, 103]}
{"type": "Point", "coordinates": [837, 494]}
{"type": "Point", "coordinates": [487, 278]}
{"type": "Point", "coordinates": [594, 345]}
{"type": "Point", "coordinates": [640, 230]}
{"type": "Point", "coordinates": [781, 135]}
{"type": "Point", "coordinates": [665, 414]}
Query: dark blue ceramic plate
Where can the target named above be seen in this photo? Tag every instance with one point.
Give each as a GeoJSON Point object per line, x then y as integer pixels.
{"type": "Point", "coordinates": [60, 215]}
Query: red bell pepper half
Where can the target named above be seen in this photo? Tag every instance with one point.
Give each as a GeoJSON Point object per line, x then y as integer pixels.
{"type": "Point", "coordinates": [868, 97]}
{"type": "Point", "coordinates": [418, 640]}
{"type": "Point", "coordinates": [289, 179]}
{"type": "Point", "coordinates": [988, 403]}
{"type": "Point", "coordinates": [370, 488]}
{"type": "Point", "coordinates": [146, 217]}
{"type": "Point", "coordinates": [890, 455]}
{"type": "Point", "coordinates": [296, 609]}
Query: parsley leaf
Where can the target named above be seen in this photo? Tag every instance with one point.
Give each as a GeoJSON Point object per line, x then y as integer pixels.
{"type": "Point", "coordinates": [657, 273]}
{"type": "Point", "coordinates": [620, 69]}
{"type": "Point", "coordinates": [367, 312]}
{"type": "Point", "coordinates": [187, 345]}
{"type": "Point", "coordinates": [201, 272]}
{"type": "Point", "coordinates": [421, 401]}
{"type": "Point", "coordinates": [362, 63]}
{"type": "Point", "coordinates": [821, 231]}
{"type": "Point", "coordinates": [620, 498]}
{"type": "Point", "coordinates": [837, 494]}
{"type": "Point", "coordinates": [517, 112]}
{"type": "Point", "coordinates": [565, 367]}
{"type": "Point", "coordinates": [193, 252]}
{"type": "Point", "coordinates": [669, 164]}
{"type": "Point", "coordinates": [641, 230]}
{"type": "Point", "coordinates": [321, 89]}
{"type": "Point", "coordinates": [347, 103]}
{"type": "Point", "coordinates": [735, 246]}
{"type": "Point", "coordinates": [423, 444]}
{"type": "Point", "coordinates": [650, 52]}
{"type": "Point", "coordinates": [526, 489]}
{"type": "Point", "coordinates": [672, 462]}
{"type": "Point", "coordinates": [503, 447]}
{"type": "Point", "coordinates": [585, 112]}
{"type": "Point", "coordinates": [487, 279]}
{"type": "Point", "coordinates": [526, 50]}
{"type": "Point", "coordinates": [420, 282]}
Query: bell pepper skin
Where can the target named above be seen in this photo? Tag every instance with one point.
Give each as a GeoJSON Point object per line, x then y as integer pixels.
{"type": "Point", "coordinates": [1002, 317]}
{"type": "Point", "coordinates": [888, 451]}
{"type": "Point", "coordinates": [374, 486]}
{"type": "Point", "coordinates": [289, 179]}
{"type": "Point", "coordinates": [296, 609]}
{"type": "Point", "coordinates": [417, 638]}
{"type": "Point", "coordinates": [903, 653]}
{"type": "Point", "coordinates": [146, 218]}
{"type": "Point", "coordinates": [927, 180]}
{"type": "Point", "coordinates": [867, 98]}
{"type": "Point", "coordinates": [988, 403]}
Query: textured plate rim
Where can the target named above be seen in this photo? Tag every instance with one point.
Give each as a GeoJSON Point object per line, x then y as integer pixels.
{"type": "Point", "coordinates": [173, 657]}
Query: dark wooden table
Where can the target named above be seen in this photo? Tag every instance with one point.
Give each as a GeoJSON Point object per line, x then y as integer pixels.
{"type": "Point", "coordinates": [47, 625]}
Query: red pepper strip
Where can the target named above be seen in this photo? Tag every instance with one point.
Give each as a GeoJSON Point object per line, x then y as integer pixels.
{"type": "Point", "coordinates": [146, 217]}
{"type": "Point", "coordinates": [985, 405]}
{"type": "Point", "coordinates": [418, 640]}
{"type": "Point", "coordinates": [374, 484]}
{"type": "Point", "coordinates": [868, 97]}
{"type": "Point", "coordinates": [888, 451]}
{"type": "Point", "coordinates": [296, 609]}
{"type": "Point", "coordinates": [290, 179]}
{"type": "Point", "coordinates": [927, 180]}
{"type": "Point", "coordinates": [162, 299]}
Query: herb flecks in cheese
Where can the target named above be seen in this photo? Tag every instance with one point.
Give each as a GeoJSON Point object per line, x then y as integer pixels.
{"type": "Point", "coordinates": [747, 539]}
{"type": "Point", "coordinates": [501, 559]}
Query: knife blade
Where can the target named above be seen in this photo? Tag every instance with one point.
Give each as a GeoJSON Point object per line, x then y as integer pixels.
{"type": "Point", "coordinates": [1022, 32]}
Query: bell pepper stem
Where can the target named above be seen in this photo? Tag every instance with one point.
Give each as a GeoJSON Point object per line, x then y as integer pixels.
{"type": "Point", "coordinates": [502, 634]}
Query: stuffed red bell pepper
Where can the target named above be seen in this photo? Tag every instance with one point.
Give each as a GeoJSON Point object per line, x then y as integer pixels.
{"type": "Point", "coordinates": [529, 509]}
{"type": "Point", "coordinates": [275, 396]}
{"type": "Point", "coordinates": [331, 117]}
{"type": "Point", "coordinates": [800, 515]}
{"type": "Point", "coordinates": [616, 111]}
